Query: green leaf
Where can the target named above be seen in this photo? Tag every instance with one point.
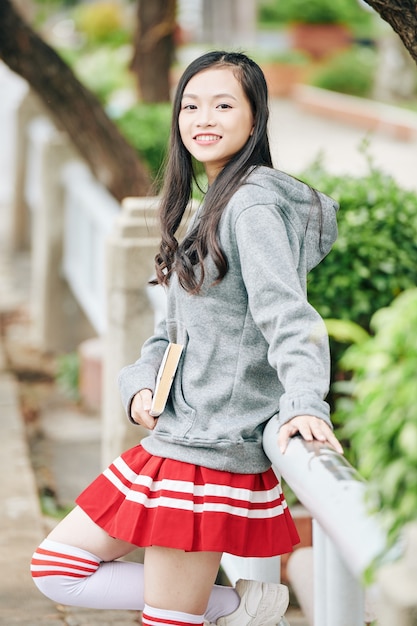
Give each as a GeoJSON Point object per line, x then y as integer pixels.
{"type": "Point", "coordinates": [346, 331]}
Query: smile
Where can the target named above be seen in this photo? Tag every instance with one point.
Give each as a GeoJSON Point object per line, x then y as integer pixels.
{"type": "Point", "coordinates": [207, 138]}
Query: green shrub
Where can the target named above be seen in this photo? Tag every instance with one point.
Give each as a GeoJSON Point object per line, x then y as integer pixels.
{"type": "Point", "coordinates": [102, 22]}
{"type": "Point", "coordinates": [373, 260]}
{"type": "Point", "coordinates": [375, 256]}
{"type": "Point", "coordinates": [311, 11]}
{"type": "Point", "coordinates": [103, 69]}
{"type": "Point", "coordinates": [147, 127]}
{"type": "Point", "coordinates": [381, 418]}
{"type": "Point", "coordinates": [351, 72]}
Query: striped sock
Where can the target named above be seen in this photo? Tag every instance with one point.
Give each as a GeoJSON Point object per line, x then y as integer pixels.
{"type": "Point", "coordinates": [75, 577]}
{"type": "Point", "coordinates": [64, 574]}
{"type": "Point", "coordinates": [162, 617]}
{"type": "Point", "coordinates": [53, 559]}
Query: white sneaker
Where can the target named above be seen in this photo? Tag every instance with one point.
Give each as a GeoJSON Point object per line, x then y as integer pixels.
{"type": "Point", "coordinates": [261, 604]}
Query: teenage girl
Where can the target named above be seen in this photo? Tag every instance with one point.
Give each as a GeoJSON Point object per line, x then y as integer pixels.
{"type": "Point", "coordinates": [200, 484]}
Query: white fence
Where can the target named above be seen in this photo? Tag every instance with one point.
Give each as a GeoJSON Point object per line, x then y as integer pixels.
{"type": "Point", "coordinates": [81, 217]}
{"type": "Point", "coordinates": [90, 213]}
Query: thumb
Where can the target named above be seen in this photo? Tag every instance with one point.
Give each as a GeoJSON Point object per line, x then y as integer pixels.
{"type": "Point", "coordinates": [146, 397]}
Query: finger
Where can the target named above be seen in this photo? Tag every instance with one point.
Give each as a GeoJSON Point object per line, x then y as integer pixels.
{"type": "Point", "coordinates": [335, 443]}
{"type": "Point", "coordinates": [149, 421]}
{"type": "Point", "coordinates": [306, 431]}
{"type": "Point", "coordinates": [146, 397]}
{"type": "Point", "coordinates": [144, 419]}
{"type": "Point", "coordinates": [282, 441]}
{"type": "Point", "coordinates": [285, 433]}
{"type": "Point", "coordinates": [140, 408]}
{"type": "Point", "coordinates": [324, 433]}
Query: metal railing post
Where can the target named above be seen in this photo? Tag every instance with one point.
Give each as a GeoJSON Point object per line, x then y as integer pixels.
{"type": "Point", "coordinates": [319, 576]}
{"type": "Point", "coordinates": [348, 539]}
{"type": "Point", "coordinates": [344, 595]}
{"type": "Point", "coordinates": [265, 569]}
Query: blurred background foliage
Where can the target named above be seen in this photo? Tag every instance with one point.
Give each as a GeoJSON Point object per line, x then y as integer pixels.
{"type": "Point", "coordinates": [351, 72]}
{"type": "Point", "coordinates": [375, 256]}
{"type": "Point", "coordinates": [379, 413]}
{"type": "Point", "coordinates": [96, 39]}
{"type": "Point", "coordinates": [373, 260]}
{"type": "Point", "coordinates": [314, 12]}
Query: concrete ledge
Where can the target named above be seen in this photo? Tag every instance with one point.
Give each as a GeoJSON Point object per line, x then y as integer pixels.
{"type": "Point", "coordinates": [368, 114]}
{"type": "Point", "coordinates": [21, 526]}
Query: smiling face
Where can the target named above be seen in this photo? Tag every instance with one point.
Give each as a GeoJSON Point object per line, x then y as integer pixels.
{"type": "Point", "coordinates": [215, 119]}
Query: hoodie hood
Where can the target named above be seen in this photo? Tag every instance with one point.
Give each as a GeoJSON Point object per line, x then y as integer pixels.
{"type": "Point", "coordinates": [306, 211]}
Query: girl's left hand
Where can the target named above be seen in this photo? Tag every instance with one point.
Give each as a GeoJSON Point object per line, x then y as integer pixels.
{"type": "Point", "coordinates": [310, 428]}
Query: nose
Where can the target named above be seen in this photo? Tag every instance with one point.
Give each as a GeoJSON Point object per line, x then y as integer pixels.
{"type": "Point", "coordinates": [205, 119]}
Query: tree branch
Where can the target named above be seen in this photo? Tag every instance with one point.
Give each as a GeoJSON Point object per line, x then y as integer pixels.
{"type": "Point", "coordinates": [402, 17]}
{"type": "Point", "coordinates": [73, 107]}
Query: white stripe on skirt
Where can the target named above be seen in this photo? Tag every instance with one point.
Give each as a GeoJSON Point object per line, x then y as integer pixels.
{"type": "Point", "coordinates": [225, 492]}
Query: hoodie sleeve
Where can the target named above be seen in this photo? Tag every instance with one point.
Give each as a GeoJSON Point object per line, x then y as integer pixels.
{"type": "Point", "coordinates": [294, 331]}
{"type": "Point", "coordinates": [142, 374]}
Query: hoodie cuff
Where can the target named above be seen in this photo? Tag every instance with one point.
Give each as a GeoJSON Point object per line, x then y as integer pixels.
{"type": "Point", "coordinates": [292, 406]}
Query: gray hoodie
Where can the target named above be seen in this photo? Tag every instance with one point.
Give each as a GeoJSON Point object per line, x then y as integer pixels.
{"type": "Point", "coordinates": [253, 346]}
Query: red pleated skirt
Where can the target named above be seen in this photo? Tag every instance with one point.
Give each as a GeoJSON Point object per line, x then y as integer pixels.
{"type": "Point", "coordinates": [148, 500]}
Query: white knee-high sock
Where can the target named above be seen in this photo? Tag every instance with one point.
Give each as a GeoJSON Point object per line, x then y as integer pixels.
{"type": "Point", "coordinates": [223, 601]}
{"type": "Point", "coordinates": [162, 617]}
{"type": "Point", "coordinates": [75, 577]}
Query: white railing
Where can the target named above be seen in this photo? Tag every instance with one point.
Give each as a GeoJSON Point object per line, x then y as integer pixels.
{"type": "Point", "coordinates": [90, 212]}
{"type": "Point", "coordinates": [346, 538]}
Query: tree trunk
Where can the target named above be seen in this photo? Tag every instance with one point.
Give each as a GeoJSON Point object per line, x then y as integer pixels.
{"type": "Point", "coordinates": [402, 17]}
{"type": "Point", "coordinates": [73, 107]}
{"type": "Point", "coordinates": [154, 48]}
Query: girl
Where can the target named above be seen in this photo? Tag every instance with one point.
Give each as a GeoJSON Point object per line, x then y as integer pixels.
{"type": "Point", "coordinates": [201, 484]}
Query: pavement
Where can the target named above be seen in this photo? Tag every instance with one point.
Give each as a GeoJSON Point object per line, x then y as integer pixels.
{"type": "Point", "coordinates": [46, 440]}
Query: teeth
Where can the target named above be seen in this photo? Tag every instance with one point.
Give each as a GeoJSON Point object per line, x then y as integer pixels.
{"type": "Point", "coordinates": [207, 137]}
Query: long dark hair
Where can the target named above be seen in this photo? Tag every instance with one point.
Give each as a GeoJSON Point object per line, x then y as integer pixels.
{"type": "Point", "coordinates": [180, 173]}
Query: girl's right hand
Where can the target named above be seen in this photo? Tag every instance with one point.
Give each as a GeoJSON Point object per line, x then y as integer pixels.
{"type": "Point", "coordinates": [140, 407]}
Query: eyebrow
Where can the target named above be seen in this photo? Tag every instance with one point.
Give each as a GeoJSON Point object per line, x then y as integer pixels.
{"type": "Point", "coordinates": [217, 95]}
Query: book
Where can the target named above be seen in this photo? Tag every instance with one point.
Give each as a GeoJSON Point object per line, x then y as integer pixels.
{"type": "Point", "coordinates": [165, 378]}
